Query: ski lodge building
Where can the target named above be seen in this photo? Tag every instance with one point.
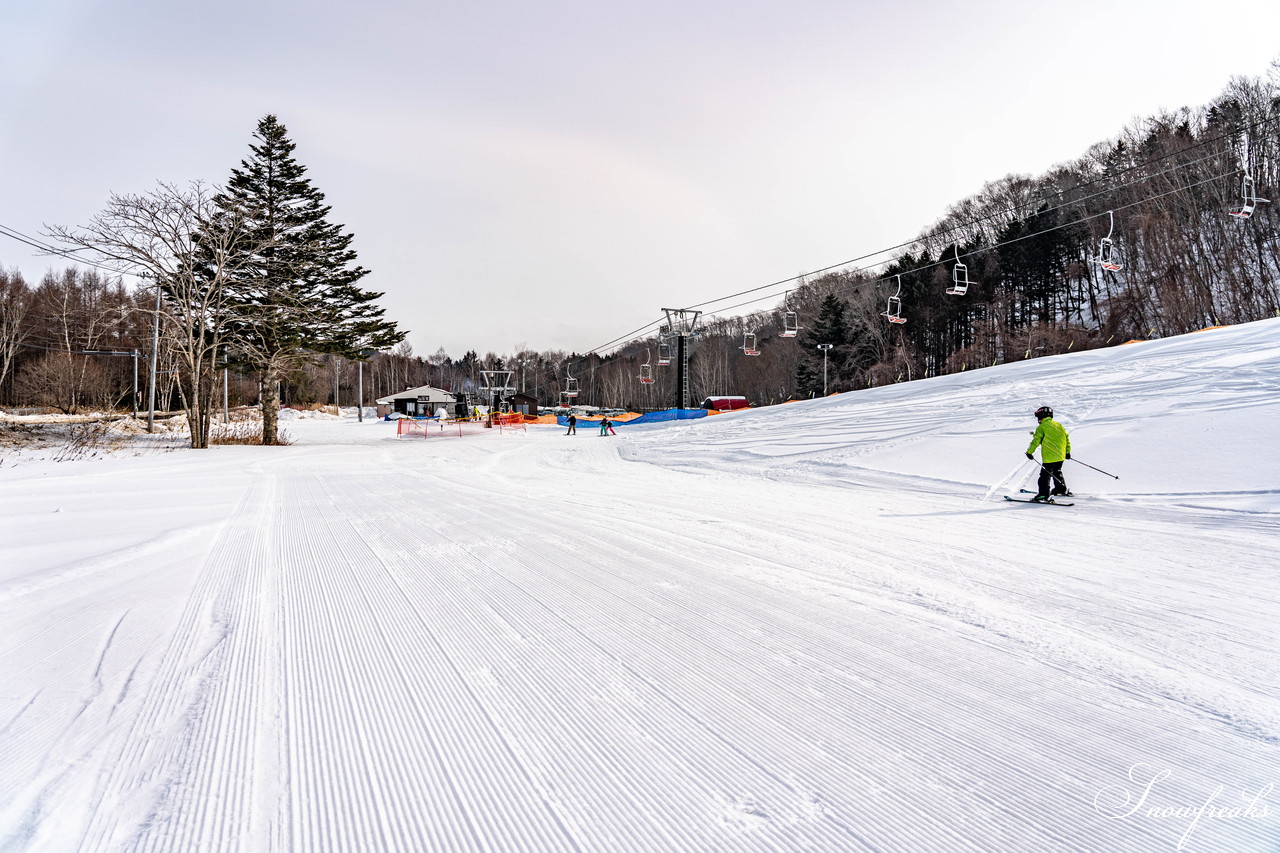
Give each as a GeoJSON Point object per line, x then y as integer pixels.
{"type": "Point", "coordinates": [418, 402]}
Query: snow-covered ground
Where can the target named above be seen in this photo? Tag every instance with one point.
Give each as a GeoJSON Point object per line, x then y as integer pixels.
{"type": "Point", "coordinates": [809, 627]}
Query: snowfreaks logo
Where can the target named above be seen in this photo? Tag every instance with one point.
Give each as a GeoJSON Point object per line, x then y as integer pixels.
{"type": "Point", "coordinates": [1117, 801]}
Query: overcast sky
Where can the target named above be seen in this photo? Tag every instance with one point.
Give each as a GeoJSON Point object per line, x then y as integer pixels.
{"type": "Point", "coordinates": [553, 174]}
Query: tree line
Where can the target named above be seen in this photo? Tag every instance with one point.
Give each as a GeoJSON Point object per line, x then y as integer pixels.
{"type": "Point", "coordinates": [256, 282]}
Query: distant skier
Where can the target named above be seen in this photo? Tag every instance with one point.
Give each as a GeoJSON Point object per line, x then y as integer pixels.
{"type": "Point", "coordinates": [1055, 448]}
{"type": "Point", "coordinates": [573, 426]}
{"type": "Point", "coordinates": [606, 427]}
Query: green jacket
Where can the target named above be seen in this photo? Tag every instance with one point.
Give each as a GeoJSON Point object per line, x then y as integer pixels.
{"type": "Point", "coordinates": [1052, 439]}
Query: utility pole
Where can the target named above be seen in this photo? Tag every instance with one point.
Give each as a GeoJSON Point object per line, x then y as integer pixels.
{"type": "Point", "coordinates": [337, 407]}
{"type": "Point", "coordinates": [824, 348]}
{"type": "Point", "coordinates": [155, 348]}
{"type": "Point", "coordinates": [365, 354]}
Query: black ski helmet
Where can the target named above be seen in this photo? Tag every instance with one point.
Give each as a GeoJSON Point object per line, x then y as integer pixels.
{"type": "Point", "coordinates": [1043, 412]}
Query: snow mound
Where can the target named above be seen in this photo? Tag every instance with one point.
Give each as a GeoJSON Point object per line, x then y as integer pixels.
{"type": "Point", "coordinates": [128, 426]}
{"type": "Point", "coordinates": [306, 415]}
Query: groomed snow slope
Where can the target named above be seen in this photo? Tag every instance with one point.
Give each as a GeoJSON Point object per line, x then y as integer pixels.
{"type": "Point", "coordinates": [809, 627]}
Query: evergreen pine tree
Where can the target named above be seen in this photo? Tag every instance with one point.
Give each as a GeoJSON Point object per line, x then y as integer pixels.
{"type": "Point", "coordinates": [300, 295]}
{"type": "Point", "coordinates": [831, 326]}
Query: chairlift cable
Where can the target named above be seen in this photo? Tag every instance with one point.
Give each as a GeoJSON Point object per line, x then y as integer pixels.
{"type": "Point", "coordinates": [853, 288]}
{"type": "Point", "coordinates": [1013, 210]}
{"type": "Point", "coordinates": [876, 282]}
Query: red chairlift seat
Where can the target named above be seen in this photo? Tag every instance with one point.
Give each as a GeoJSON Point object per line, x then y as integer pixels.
{"type": "Point", "coordinates": [893, 310]}
{"type": "Point", "coordinates": [893, 313]}
{"type": "Point", "coordinates": [1107, 258]}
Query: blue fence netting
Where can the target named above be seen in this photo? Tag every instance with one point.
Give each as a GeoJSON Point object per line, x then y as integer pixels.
{"type": "Point", "coordinates": [648, 418]}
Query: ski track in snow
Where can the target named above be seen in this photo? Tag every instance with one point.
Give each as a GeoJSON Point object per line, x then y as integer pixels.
{"type": "Point", "coordinates": [769, 631]}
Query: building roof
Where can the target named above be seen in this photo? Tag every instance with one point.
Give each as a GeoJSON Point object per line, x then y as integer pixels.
{"type": "Point", "coordinates": [432, 393]}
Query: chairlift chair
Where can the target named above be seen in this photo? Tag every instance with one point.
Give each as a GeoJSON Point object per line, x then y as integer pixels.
{"type": "Point", "coordinates": [646, 370]}
{"type": "Point", "coordinates": [959, 278]}
{"type": "Point", "coordinates": [893, 311]}
{"type": "Point", "coordinates": [749, 344]}
{"type": "Point", "coordinates": [664, 353]}
{"type": "Point", "coordinates": [1107, 257]}
{"type": "Point", "coordinates": [790, 323]}
{"type": "Point", "coordinates": [570, 384]}
{"type": "Point", "coordinates": [1249, 199]}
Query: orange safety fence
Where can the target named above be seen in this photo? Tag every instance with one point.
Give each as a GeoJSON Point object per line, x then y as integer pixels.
{"type": "Point", "coordinates": [509, 421]}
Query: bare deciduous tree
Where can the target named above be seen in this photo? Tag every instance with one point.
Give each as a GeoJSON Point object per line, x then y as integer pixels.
{"type": "Point", "coordinates": [15, 304]}
{"type": "Point", "coordinates": [188, 248]}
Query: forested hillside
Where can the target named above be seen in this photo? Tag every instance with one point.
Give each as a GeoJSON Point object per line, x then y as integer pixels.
{"type": "Point", "coordinates": [1162, 201]}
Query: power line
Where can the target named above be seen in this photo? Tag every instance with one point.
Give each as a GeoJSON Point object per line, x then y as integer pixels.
{"type": "Point", "coordinates": [67, 254]}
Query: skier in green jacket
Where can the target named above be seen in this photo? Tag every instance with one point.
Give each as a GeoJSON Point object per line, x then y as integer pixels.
{"type": "Point", "coordinates": [1055, 448]}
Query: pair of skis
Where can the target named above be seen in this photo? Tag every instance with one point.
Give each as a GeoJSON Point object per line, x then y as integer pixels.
{"type": "Point", "coordinates": [1050, 502]}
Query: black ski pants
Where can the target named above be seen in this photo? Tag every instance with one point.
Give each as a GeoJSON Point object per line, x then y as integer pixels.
{"type": "Point", "coordinates": [1051, 471]}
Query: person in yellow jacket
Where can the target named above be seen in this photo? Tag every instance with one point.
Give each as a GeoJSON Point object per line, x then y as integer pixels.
{"type": "Point", "coordinates": [1055, 448]}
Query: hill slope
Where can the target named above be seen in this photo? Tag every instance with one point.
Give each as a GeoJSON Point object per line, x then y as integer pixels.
{"type": "Point", "coordinates": [811, 627]}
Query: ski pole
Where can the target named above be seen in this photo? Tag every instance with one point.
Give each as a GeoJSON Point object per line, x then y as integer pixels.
{"type": "Point", "coordinates": [1099, 470]}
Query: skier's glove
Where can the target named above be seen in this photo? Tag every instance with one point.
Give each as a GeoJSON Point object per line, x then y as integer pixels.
{"type": "Point", "coordinates": [1031, 456]}
{"type": "Point", "coordinates": [1068, 455]}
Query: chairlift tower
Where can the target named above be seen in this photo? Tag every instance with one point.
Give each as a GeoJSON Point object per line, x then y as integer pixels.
{"type": "Point", "coordinates": [682, 322]}
{"type": "Point", "coordinates": [497, 382]}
